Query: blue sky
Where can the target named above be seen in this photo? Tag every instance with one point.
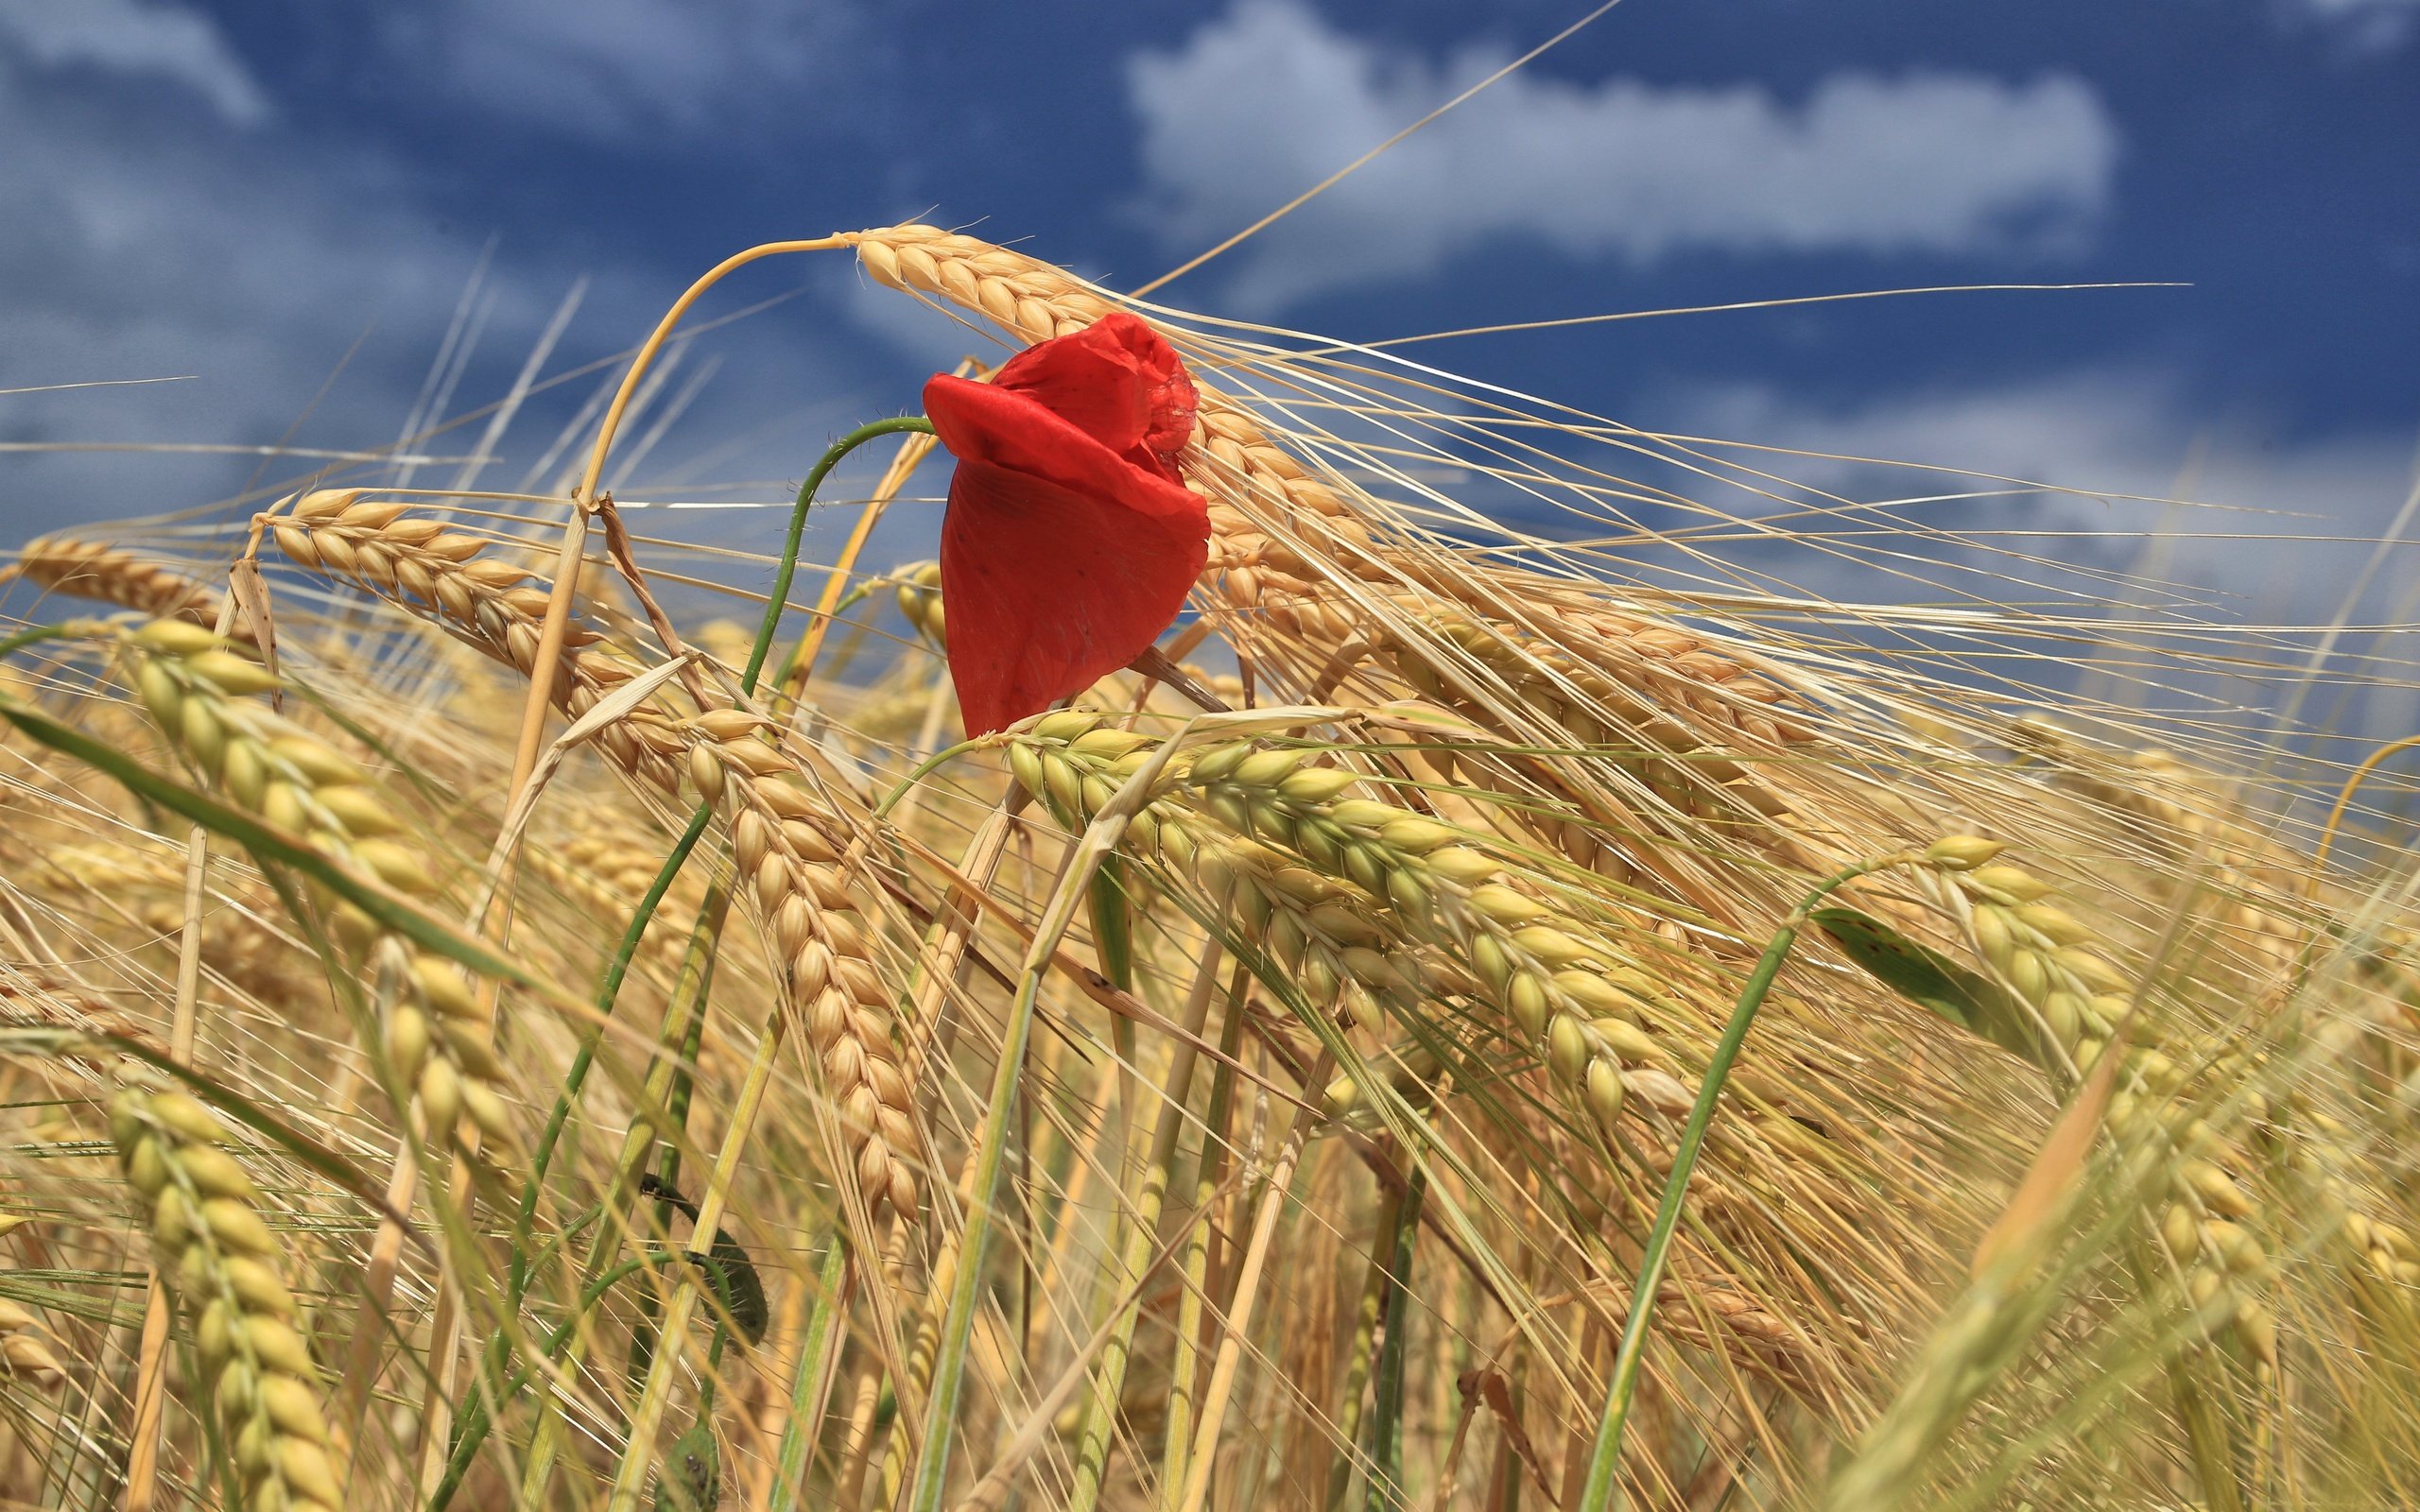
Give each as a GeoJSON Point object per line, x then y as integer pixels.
{"type": "Point", "coordinates": [262, 194]}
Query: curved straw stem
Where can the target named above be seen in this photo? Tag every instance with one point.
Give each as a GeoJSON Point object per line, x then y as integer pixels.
{"type": "Point", "coordinates": [567, 561]}
{"type": "Point", "coordinates": [2352, 785]}
{"type": "Point", "coordinates": [548, 658]}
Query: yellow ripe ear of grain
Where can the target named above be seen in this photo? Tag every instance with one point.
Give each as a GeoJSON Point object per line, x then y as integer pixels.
{"type": "Point", "coordinates": [1962, 852]}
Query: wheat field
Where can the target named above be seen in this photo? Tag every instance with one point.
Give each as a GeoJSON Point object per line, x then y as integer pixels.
{"type": "Point", "coordinates": [1476, 1024]}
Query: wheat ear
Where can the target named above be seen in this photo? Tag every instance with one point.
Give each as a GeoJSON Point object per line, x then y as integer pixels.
{"type": "Point", "coordinates": [112, 575]}
{"type": "Point", "coordinates": [217, 1254]}
{"type": "Point", "coordinates": [438, 1035]}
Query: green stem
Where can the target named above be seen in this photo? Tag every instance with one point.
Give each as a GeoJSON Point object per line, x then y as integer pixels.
{"type": "Point", "coordinates": [1113, 942]}
{"type": "Point", "coordinates": [958, 1321]}
{"type": "Point", "coordinates": [1136, 1257]}
{"type": "Point", "coordinates": [1100, 840]}
{"type": "Point", "coordinates": [924, 768]}
{"type": "Point", "coordinates": [1385, 1417]}
{"type": "Point", "coordinates": [1113, 925]}
{"type": "Point", "coordinates": [779, 600]}
{"type": "Point", "coordinates": [647, 1415]}
{"type": "Point", "coordinates": [608, 991]}
{"type": "Point", "coordinates": [638, 1143]}
{"type": "Point", "coordinates": [471, 1430]}
{"type": "Point", "coordinates": [1363, 1352]}
{"type": "Point", "coordinates": [676, 1108]}
{"type": "Point", "coordinates": [1605, 1462]}
{"type": "Point", "coordinates": [812, 1379]}
{"type": "Point", "coordinates": [684, 1086]}
{"type": "Point", "coordinates": [797, 653]}
{"type": "Point", "coordinates": [63, 630]}
{"type": "Point", "coordinates": [1185, 1371]}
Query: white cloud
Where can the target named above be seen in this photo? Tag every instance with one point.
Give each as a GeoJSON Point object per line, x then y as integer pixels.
{"type": "Point", "coordinates": [2223, 521]}
{"type": "Point", "coordinates": [2370, 25]}
{"type": "Point", "coordinates": [2194, 537]}
{"type": "Point", "coordinates": [134, 37]}
{"type": "Point", "coordinates": [1269, 99]}
{"type": "Point", "coordinates": [628, 70]}
{"type": "Point", "coordinates": [146, 240]}
{"type": "Point", "coordinates": [2121, 441]}
{"type": "Point", "coordinates": [142, 244]}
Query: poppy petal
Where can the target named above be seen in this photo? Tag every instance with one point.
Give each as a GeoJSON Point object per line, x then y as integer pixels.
{"type": "Point", "coordinates": [1092, 384]}
{"type": "Point", "coordinates": [1049, 590]}
{"type": "Point", "coordinates": [984, 422]}
{"type": "Point", "coordinates": [1118, 380]}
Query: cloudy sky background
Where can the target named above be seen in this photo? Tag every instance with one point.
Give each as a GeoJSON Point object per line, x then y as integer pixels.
{"type": "Point", "coordinates": [282, 203]}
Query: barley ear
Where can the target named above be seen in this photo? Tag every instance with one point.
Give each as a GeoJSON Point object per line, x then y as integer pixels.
{"type": "Point", "coordinates": [218, 1257]}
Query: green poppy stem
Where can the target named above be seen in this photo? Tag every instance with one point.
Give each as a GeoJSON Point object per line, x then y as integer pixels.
{"type": "Point", "coordinates": [779, 599]}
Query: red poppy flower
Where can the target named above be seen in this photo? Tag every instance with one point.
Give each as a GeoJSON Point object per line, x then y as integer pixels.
{"type": "Point", "coordinates": [1070, 542]}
